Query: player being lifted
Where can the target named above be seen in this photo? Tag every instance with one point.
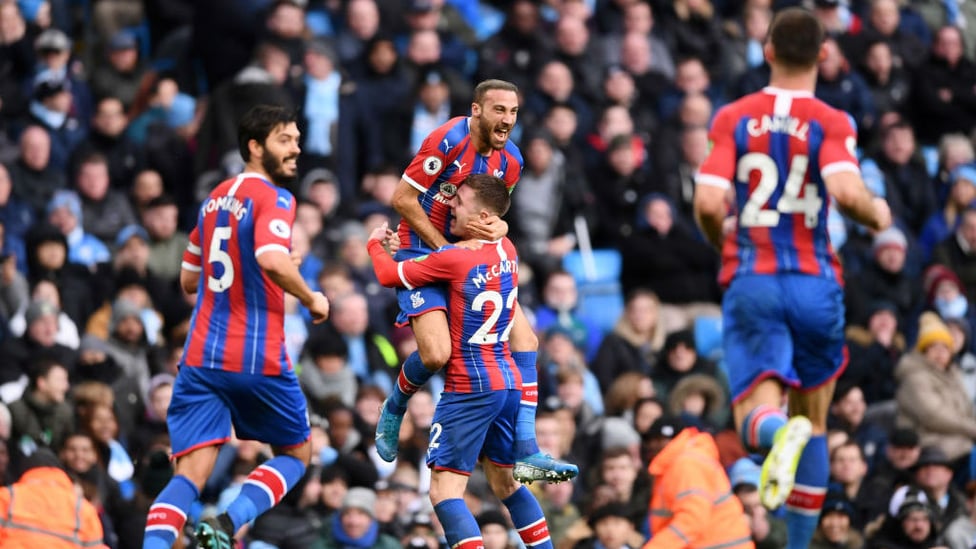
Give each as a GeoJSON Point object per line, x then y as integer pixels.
{"type": "Point", "coordinates": [784, 153]}
{"type": "Point", "coordinates": [479, 408]}
{"type": "Point", "coordinates": [463, 146]}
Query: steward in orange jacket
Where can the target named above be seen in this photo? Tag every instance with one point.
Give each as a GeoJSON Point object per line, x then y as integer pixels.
{"type": "Point", "coordinates": [693, 506]}
{"type": "Point", "coordinates": [43, 510]}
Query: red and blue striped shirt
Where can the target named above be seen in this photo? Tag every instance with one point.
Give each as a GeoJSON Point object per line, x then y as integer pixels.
{"type": "Point", "coordinates": [238, 322]}
{"type": "Point", "coordinates": [445, 158]}
{"type": "Point", "coordinates": [483, 287]}
{"type": "Point", "coordinates": [775, 147]}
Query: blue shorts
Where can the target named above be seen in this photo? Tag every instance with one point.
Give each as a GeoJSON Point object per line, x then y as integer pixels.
{"type": "Point", "coordinates": [206, 402]}
{"type": "Point", "coordinates": [787, 326]}
{"type": "Point", "coordinates": [418, 301]}
{"type": "Point", "coordinates": [469, 425]}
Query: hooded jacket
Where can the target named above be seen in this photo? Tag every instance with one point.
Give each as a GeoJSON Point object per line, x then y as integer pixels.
{"type": "Point", "coordinates": [693, 505]}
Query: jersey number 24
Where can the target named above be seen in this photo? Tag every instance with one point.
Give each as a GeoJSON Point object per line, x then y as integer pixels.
{"type": "Point", "coordinates": [757, 212]}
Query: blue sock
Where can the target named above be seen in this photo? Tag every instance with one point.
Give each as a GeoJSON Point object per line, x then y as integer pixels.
{"type": "Point", "coordinates": [805, 501]}
{"type": "Point", "coordinates": [525, 444]}
{"type": "Point", "coordinates": [264, 488]}
{"type": "Point", "coordinates": [413, 376]}
{"type": "Point", "coordinates": [460, 527]}
{"type": "Point", "coordinates": [760, 425]}
{"type": "Point", "coordinates": [528, 519]}
{"type": "Point", "coordinates": [166, 517]}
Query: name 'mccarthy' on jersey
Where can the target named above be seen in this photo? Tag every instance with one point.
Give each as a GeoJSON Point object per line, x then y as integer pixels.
{"type": "Point", "coordinates": [776, 147]}
{"type": "Point", "coordinates": [445, 158]}
{"type": "Point", "coordinates": [483, 291]}
{"type": "Point", "coordinates": [238, 321]}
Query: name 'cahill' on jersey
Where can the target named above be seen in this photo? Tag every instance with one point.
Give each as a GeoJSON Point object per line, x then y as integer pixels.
{"type": "Point", "coordinates": [238, 321]}
{"type": "Point", "coordinates": [484, 289]}
{"type": "Point", "coordinates": [445, 158]}
{"type": "Point", "coordinates": [776, 147]}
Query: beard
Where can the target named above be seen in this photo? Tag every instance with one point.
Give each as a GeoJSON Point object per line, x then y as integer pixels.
{"type": "Point", "coordinates": [487, 135]}
{"type": "Point", "coordinates": [275, 168]}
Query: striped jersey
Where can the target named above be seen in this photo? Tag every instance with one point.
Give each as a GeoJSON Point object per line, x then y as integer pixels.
{"type": "Point", "coordinates": [483, 286]}
{"type": "Point", "coordinates": [445, 158]}
{"type": "Point", "coordinates": [775, 147]}
{"type": "Point", "coordinates": [238, 322]}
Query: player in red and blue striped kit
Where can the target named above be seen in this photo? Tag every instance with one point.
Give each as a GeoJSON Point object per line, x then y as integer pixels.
{"type": "Point", "coordinates": [479, 409]}
{"type": "Point", "coordinates": [234, 370]}
{"type": "Point", "coordinates": [476, 144]}
{"type": "Point", "coordinates": [783, 153]}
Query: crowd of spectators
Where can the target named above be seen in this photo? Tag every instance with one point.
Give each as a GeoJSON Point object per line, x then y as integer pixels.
{"type": "Point", "coordinates": [118, 116]}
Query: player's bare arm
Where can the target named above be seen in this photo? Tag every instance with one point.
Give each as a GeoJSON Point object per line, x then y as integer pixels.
{"type": "Point", "coordinates": [857, 202]}
{"type": "Point", "coordinates": [711, 210]}
{"type": "Point", "coordinates": [283, 272]}
{"type": "Point", "coordinates": [189, 280]}
{"type": "Point", "coordinates": [406, 203]}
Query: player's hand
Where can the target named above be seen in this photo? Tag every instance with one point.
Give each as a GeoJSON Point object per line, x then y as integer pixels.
{"type": "Point", "coordinates": [392, 241]}
{"type": "Point", "coordinates": [379, 233]}
{"type": "Point", "coordinates": [491, 229]}
{"type": "Point", "coordinates": [319, 307]}
{"type": "Point", "coordinates": [882, 213]}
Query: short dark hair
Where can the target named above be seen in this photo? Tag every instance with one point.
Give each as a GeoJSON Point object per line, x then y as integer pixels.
{"type": "Point", "coordinates": [258, 123]}
{"type": "Point", "coordinates": [796, 35]}
{"type": "Point", "coordinates": [41, 367]}
{"type": "Point", "coordinates": [486, 86]}
{"type": "Point", "coordinates": [490, 191]}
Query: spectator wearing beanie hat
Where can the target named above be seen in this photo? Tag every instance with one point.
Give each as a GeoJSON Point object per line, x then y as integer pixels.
{"type": "Point", "coordinates": [495, 530]}
{"type": "Point", "coordinates": [885, 279]}
{"type": "Point", "coordinates": [834, 530]}
{"type": "Point", "coordinates": [930, 397]}
{"type": "Point", "coordinates": [945, 293]}
{"type": "Point", "coordinates": [354, 525]}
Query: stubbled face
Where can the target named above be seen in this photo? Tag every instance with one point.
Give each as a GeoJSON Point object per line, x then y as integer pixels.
{"type": "Point", "coordinates": [495, 117]}
{"type": "Point", "coordinates": [279, 154]}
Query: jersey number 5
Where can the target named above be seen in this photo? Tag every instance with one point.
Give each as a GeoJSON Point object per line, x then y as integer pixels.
{"type": "Point", "coordinates": [218, 255]}
{"type": "Point", "coordinates": [755, 213]}
{"type": "Point", "coordinates": [486, 335]}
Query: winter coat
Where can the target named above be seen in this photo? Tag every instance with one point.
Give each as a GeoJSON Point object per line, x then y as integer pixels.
{"type": "Point", "coordinates": [693, 505]}
{"type": "Point", "coordinates": [935, 404]}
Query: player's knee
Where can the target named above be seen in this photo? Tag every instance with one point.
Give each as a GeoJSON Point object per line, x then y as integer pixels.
{"type": "Point", "coordinates": [435, 355]}
{"type": "Point", "coordinates": [503, 486]}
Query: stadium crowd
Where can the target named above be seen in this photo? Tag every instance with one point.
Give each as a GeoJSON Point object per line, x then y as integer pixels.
{"type": "Point", "coordinates": [118, 116]}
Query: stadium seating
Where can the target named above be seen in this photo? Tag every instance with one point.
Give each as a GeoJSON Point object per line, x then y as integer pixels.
{"type": "Point", "coordinates": [597, 275]}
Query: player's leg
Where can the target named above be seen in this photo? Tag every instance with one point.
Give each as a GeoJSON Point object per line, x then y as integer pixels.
{"type": "Point", "coordinates": [425, 309]}
{"type": "Point", "coordinates": [433, 351]}
{"type": "Point", "coordinates": [457, 436]}
{"type": "Point", "coordinates": [447, 496]}
{"type": "Point", "coordinates": [273, 410]}
{"type": "Point", "coordinates": [198, 424]}
{"type": "Point", "coordinates": [527, 516]}
{"type": "Point", "coordinates": [818, 318]}
{"type": "Point", "coordinates": [532, 464]}
{"type": "Point", "coordinates": [759, 351]}
{"type": "Point", "coordinates": [525, 347]}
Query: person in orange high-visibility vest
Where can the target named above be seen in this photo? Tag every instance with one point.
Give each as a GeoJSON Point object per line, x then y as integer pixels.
{"type": "Point", "coordinates": [43, 509]}
{"type": "Point", "coordinates": [693, 506]}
